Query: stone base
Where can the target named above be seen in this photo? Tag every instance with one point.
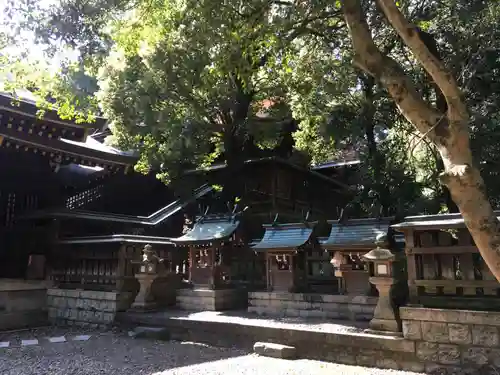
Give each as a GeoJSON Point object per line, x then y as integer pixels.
{"type": "Point", "coordinates": [269, 349]}
{"type": "Point", "coordinates": [385, 325]}
{"type": "Point", "coordinates": [211, 300]}
{"type": "Point", "coordinates": [383, 333]}
{"type": "Point", "coordinates": [22, 304]}
{"type": "Point", "coordinates": [145, 306]}
{"type": "Point", "coordinates": [85, 307]}
{"type": "Point", "coordinates": [462, 341]}
{"type": "Point", "coordinates": [346, 345]}
{"type": "Point", "coordinates": [324, 306]}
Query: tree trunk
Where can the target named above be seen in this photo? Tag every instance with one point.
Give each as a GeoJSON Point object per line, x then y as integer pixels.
{"type": "Point", "coordinates": [445, 192]}
{"type": "Point", "coordinates": [448, 131]}
{"type": "Point", "coordinates": [376, 159]}
{"type": "Point", "coordinates": [233, 142]}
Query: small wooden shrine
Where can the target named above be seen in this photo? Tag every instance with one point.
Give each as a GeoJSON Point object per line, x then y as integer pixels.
{"type": "Point", "coordinates": [284, 246]}
{"type": "Point", "coordinates": [350, 240]}
{"type": "Point", "coordinates": [445, 269]}
{"type": "Point", "coordinates": [211, 244]}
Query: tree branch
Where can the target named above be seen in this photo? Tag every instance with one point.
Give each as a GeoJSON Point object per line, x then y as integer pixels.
{"type": "Point", "coordinates": [436, 69]}
{"type": "Point", "coordinates": [387, 71]}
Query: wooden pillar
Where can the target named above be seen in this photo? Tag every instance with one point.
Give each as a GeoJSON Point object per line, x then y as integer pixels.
{"type": "Point", "coordinates": [121, 268]}
{"type": "Point", "coordinates": [268, 272]}
{"type": "Point", "coordinates": [411, 266]}
{"type": "Point", "coordinates": [211, 264]}
{"type": "Point", "coordinates": [191, 260]}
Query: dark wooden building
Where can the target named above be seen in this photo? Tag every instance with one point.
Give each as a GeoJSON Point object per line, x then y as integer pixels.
{"type": "Point", "coordinates": [271, 185]}
{"type": "Point", "coordinates": [68, 197]}
{"type": "Point", "coordinates": [47, 163]}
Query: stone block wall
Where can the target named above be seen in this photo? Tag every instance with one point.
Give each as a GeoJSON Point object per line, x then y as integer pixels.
{"type": "Point", "coordinates": [351, 347]}
{"type": "Point", "coordinates": [323, 306]}
{"type": "Point", "coordinates": [455, 341]}
{"type": "Point", "coordinates": [164, 289]}
{"type": "Point", "coordinates": [22, 304]}
{"type": "Point", "coordinates": [211, 300]}
{"type": "Point", "coordinates": [85, 307]}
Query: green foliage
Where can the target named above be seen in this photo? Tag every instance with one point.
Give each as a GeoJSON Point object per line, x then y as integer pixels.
{"type": "Point", "coordinates": [189, 83]}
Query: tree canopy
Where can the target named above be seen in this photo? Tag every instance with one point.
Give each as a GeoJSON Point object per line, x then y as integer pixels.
{"type": "Point", "coordinates": [190, 83]}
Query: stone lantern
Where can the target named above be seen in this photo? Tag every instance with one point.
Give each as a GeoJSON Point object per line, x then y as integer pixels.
{"type": "Point", "coordinates": [147, 274]}
{"type": "Point", "coordinates": [385, 317]}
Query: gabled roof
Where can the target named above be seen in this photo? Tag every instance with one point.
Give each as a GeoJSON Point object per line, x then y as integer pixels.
{"type": "Point", "coordinates": [92, 144]}
{"type": "Point", "coordinates": [209, 229]}
{"type": "Point", "coordinates": [26, 106]}
{"type": "Point", "coordinates": [356, 232]}
{"type": "Point", "coordinates": [285, 236]}
{"type": "Point", "coordinates": [442, 221]}
{"type": "Point", "coordinates": [279, 161]}
{"type": "Point", "coordinates": [72, 149]}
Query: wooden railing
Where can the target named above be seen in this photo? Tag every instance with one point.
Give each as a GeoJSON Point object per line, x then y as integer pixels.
{"type": "Point", "coordinates": [108, 266]}
{"type": "Point", "coordinates": [445, 269]}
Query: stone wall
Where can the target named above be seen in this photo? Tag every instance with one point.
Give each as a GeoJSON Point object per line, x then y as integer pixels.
{"type": "Point", "coordinates": [22, 304]}
{"type": "Point", "coordinates": [347, 347]}
{"type": "Point", "coordinates": [455, 340]}
{"type": "Point", "coordinates": [211, 300]}
{"type": "Point", "coordinates": [85, 307]}
{"type": "Point", "coordinates": [323, 306]}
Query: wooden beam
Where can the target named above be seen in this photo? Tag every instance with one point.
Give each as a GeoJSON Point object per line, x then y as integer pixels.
{"type": "Point", "coordinates": [442, 250]}
{"type": "Point", "coordinates": [458, 283]}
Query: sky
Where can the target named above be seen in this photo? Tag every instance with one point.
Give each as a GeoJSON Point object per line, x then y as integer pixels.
{"type": "Point", "coordinates": [27, 39]}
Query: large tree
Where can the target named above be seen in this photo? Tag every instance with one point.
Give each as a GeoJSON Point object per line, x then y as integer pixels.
{"type": "Point", "coordinates": [188, 69]}
{"type": "Point", "coordinates": [448, 130]}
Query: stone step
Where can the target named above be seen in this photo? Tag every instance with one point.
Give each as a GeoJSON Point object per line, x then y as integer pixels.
{"type": "Point", "coordinates": [156, 333]}
{"type": "Point", "coordinates": [269, 349]}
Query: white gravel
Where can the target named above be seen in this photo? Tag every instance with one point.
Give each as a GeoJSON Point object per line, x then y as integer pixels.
{"type": "Point", "coordinates": [110, 353]}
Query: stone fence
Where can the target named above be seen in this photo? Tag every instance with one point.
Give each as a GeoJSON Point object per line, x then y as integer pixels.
{"type": "Point", "coordinates": [456, 340]}
{"type": "Point", "coordinates": [305, 305]}
{"type": "Point", "coordinates": [85, 307]}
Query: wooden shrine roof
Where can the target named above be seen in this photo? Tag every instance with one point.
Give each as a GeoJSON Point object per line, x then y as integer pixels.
{"type": "Point", "coordinates": [436, 222]}
{"type": "Point", "coordinates": [356, 232]}
{"type": "Point", "coordinates": [285, 236]}
{"type": "Point", "coordinates": [152, 220]}
{"type": "Point", "coordinates": [117, 238]}
{"type": "Point", "coordinates": [278, 161]}
{"type": "Point", "coordinates": [76, 152]}
{"type": "Point", "coordinates": [335, 164]}
{"type": "Point", "coordinates": [27, 108]}
{"type": "Point", "coordinates": [209, 229]}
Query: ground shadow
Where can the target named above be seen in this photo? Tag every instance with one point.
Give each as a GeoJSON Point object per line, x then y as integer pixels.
{"type": "Point", "coordinates": [109, 353]}
{"type": "Point", "coordinates": [243, 317]}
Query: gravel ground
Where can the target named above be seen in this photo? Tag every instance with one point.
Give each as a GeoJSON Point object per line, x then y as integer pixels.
{"type": "Point", "coordinates": [113, 352]}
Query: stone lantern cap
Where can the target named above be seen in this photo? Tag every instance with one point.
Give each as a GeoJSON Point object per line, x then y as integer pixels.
{"type": "Point", "coordinates": [379, 254]}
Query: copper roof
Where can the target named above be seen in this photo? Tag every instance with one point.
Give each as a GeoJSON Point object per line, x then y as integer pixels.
{"type": "Point", "coordinates": [441, 221]}
{"type": "Point", "coordinates": [285, 236]}
{"type": "Point", "coordinates": [209, 229]}
{"type": "Point", "coordinates": [357, 232]}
